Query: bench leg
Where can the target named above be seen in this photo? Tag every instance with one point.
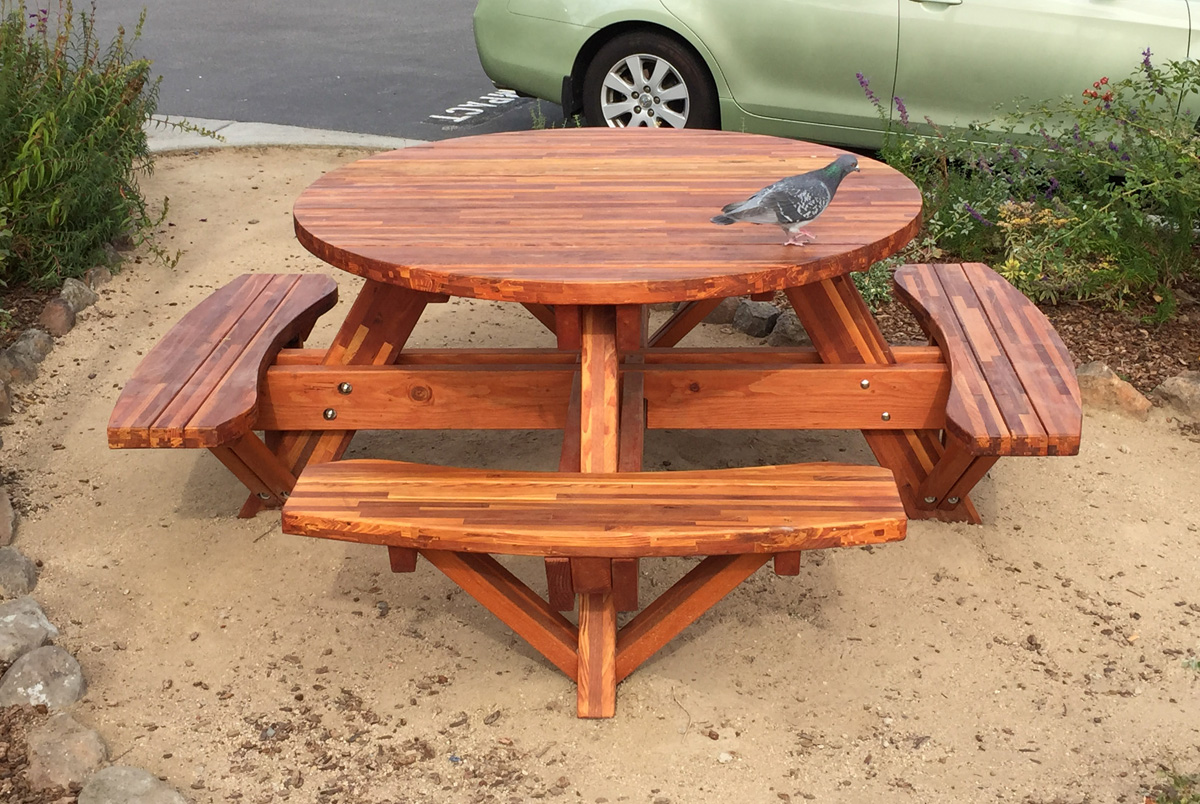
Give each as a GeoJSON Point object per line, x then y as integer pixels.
{"type": "Point", "coordinates": [843, 331]}
{"type": "Point", "coordinates": [259, 469]}
{"type": "Point", "coordinates": [953, 477]}
{"type": "Point", "coordinates": [685, 319]}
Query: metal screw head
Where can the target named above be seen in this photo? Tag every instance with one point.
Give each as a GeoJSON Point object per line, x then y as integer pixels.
{"type": "Point", "coordinates": [887, 417]}
{"type": "Point", "coordinates": [952, 500]}
{"type": "Point", "coordinates": [345, 387]}
{"type": "Point", "coordinates": [330, 414]}
{"type": "Point", "coordinates": [865, 384]}
{"type": "Point", "coordinates": [930, 500]}
{"type": "Point", "coordinates": [262, 495]}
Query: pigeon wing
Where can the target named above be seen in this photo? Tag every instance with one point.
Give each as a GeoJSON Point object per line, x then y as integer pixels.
{"type": "Point", "coordinates": [798, 202]}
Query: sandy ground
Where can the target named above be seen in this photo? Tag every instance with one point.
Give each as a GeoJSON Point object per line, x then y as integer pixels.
{"type": "Point", "coordinates": [1040, 657]}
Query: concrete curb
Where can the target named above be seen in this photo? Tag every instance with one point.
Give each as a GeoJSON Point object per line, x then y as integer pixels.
{"type": "Point", "coordinates": [163, 138]}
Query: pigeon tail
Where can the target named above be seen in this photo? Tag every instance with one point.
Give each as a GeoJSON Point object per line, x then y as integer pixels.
{"type": "Point", "coordinates": [723, 220]}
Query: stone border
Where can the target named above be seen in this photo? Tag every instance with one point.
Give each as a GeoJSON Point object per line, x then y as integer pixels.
{"type": "Point", "coordinates": [62, 752]}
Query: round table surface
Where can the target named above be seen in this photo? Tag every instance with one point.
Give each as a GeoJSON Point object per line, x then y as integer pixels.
{"type": "Point", "coordinates": [595, 216]}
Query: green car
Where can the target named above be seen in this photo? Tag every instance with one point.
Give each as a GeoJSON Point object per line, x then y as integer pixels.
{"type": "Point", "coordinates": [801, 68]}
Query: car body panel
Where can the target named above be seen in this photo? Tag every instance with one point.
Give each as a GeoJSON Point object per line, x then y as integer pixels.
{"type": "Point", "coordinates": [788, 67]}
{"type": "Point", "coordinates": [783, 56]}
{"type": "Point", "coordinates": [958, 63]}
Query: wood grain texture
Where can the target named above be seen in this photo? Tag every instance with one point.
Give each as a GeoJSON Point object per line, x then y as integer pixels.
{"type": "Point", "coordinates": [1013, 387]}
{"type": "Point", "coordinates": [599, 392]}
{"type": "Point", "coordinates": [198, 386]}
{"type": "Point", "coordinates": [565, 216]}
{"type": "Point", "coordinates": [596, 693]}
{"type": "Point", "coordinates": [760, 509]}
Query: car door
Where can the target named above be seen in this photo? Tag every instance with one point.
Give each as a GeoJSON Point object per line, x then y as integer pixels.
{"type": "Point", "coordinates": [798, 59]}
{"type": "Point", "coordinates": [960, 59]}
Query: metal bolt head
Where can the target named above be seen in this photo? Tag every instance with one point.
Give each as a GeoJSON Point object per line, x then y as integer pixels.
{"type": "Point", "coordinates": [345, 388]}
{"type": "Point", "coordinates": [930, 500]}
{"type": "Point", "coordinates": [262, 495]}
{"type": "Point", "coordinates": [952, 500]}
{"type": "Point", "coordinates": [887, 417]}
{"type": "Point", "coordinates": [330, 414]}
{"type": "Point", "coordinates": [865, 384]}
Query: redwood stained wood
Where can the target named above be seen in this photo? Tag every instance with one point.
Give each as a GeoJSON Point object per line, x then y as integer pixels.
{"type": "Point", "coordinates": [843, 331]}
{"type": "Point", "coordinates": [1013, 388]}
{"type": "Point", "coordinates": [599, 391]}
{"type": "Point", "coordinates": [748, 395]}
{"type": "Point", "coordinates": [760, 509]}
{"type": "Point", "coordinates": [531, 356]}
{"type": "Point", "coordinates": [596, 689]}
{"type": "Point", "coordinates": [682, 321]}
{"type": "Point", "coordinates": [680, 606]}
{"type": "Point", "coordinates": [198, 386]}
{"type": "Point", "coordinates": [402, 559]}
{"type": "Point", "coordinates": [558, 217]}
{"type": "Point", "coordinates": [503, 594]}
{"type": "Point", "coordinates": [787, 563]}
{"type": "Point", "coordinates": [544, 314]}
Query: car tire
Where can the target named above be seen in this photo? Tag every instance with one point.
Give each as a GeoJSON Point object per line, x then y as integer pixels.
{"type": "Point", "coordinates": [682, 93]}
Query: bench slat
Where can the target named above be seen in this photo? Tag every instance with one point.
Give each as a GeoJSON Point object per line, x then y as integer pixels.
{"type": "Point", "coordinates": [765, 509]}
{"type": "Point", "coordinates": [198, 386]}
{"type": "Point", "coordinates": [1013, 387]}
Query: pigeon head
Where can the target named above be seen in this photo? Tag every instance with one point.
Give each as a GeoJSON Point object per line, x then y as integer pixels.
{"type": "Point", "coordinates": [846, 163]}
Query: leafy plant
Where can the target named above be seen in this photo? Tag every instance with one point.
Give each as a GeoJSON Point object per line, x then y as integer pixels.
{"type": "Point", "coordinates": [1095, 197]}
{"type": "Point", "coordinates": [875, 283]}
{"type": "Point", "coordinates": [1178, 789]}
{"type": "Point", "coordinates": [71, 142]}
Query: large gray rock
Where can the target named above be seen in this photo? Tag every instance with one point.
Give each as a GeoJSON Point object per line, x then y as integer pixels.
{"type": "Point", "coordinates": [1182, 394]}
{"type": "Point", "coordinates": [5, 396]}
{"type": "Point", "coordinates": [20, 361]}
{"type": "Point", "coordinates": [18, 575]}
{"type": "Point", "coordinates": [78, 295]}
{"type": "Point", "coordinates": [34, 343]}
{"type": "Point", "coordinates": [63, 752]}
{"type": "Point", "coordinates": [1101, 388]}
{"type": "Point", "coordinates": [756, 319]}
{"type": "Point", "coordinates": [97, 276]}
{"type": "Point", "coordinates": [788, 331]}
{"type": "Point", "coordinates": [724, 312]}
{"type": "Point", "coordinates": [48, 676]}
{"type": "Point", "coordinates": [23, 628]}
{"type": "Point", "coordinates": [120, 784]}
{"type": "Point", "coordinates": [8, 519]}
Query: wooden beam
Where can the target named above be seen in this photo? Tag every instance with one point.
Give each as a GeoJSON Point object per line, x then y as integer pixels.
{"type": "Point", "coordinates": [597, 678]}
{"type": "Point", "coordinates": [503, 594]}
{"type": "Point", "coordinates": [686, 318]}
{"type": "Point", "coordinates": [680, 606]}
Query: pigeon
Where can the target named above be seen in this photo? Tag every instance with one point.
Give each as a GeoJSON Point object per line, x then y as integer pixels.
{"type": "Point", "coordinates": [792, 202]}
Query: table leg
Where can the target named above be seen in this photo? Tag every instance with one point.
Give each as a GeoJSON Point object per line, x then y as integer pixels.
{"type": "Point", "coordinates": [598, 452]}
{"type": "Point", "coordinates": [373, 334]}
{"type": "Point", "coordinates": [843, 331]}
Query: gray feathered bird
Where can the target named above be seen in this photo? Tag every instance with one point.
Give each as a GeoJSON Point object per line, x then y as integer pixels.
{"type": "Point", "coordinates": [794, 202]}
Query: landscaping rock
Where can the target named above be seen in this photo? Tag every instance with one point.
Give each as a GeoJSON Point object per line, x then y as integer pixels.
{"type": "Point", "coordinates": [18, 575]}
{"type": "Point", "coordinates": [97, 277]}
{"type": "Point", "coordinates": [35, 343]}
{"type": "Point", "coordinates": [1182, 394]}
{"type": "Point", "coordinates": [57, 317]}
{"type": "Point", "coordinates": [756, 319]}
{"type": "Point", "coordinates": [120, 784]}
{"type": "Point", "coordinates": [20, 360]}
{"type": "Point", "coordinates": [78, 294]}
{"type": "Point", "coordinates": [63, 752]}
{"type": "Point", "coordinates": [1101, 388]}
{"type": "Point", "coordinates": [724, 312]}
{"type": "Point", "coordinates": [8, 519]}
{"type": "Point", "coordinates": [48, 676]}
{"type": "Point", "coordinates": [5, 400]}
{"type": "Point", "coordinates": [23, 628]}
{"type": "Point", "coordinates": [788, 331]}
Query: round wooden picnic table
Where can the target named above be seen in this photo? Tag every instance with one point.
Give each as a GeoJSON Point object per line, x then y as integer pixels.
{"type": "Point", "coordinates": [586, 227]}
{"type": "Point", "coordinates": [595, 216]}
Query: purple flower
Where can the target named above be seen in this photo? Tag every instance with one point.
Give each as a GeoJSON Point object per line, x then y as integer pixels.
{"type": "Point", "coordinates": [1053, 188]}
{"type": "Point", "coordinates": [866, 88]}
{"type": "Point", "coordinates": [903, 111]}
{"type": "Point", "coordinates": [1151, 73]}
{"type": "Point", "coordinates": [974, 213]}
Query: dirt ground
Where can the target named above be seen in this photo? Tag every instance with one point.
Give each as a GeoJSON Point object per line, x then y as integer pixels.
{"type": "Point", "coordinates": [1040, 657]}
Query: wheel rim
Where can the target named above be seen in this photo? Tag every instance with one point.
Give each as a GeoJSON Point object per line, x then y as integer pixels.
{"type": "Point", "coordinates": [644, 90]}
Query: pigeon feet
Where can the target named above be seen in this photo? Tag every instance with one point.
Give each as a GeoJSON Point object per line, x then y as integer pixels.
{"type": "Point", "coordinates": [794, 239]}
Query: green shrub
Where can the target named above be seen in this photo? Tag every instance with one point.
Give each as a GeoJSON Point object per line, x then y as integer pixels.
{"type": "Point", "coordinates": [1092, 197]}
{"type": "Point", "coordinates": [71, 143]}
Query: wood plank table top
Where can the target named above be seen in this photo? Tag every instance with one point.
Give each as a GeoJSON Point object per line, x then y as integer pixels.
{"type": "Point", "coordinates": [594, 216]}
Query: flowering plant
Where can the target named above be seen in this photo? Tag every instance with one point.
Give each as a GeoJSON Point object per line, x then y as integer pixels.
{"type": "Point", "coordinates": [1092, 196]}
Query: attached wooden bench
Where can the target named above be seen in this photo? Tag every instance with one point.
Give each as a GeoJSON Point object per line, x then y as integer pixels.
{"type": "Point", "coordinates": [1013, 388]}
{"type": "Point", "coordinates": [198, 386]}
{"type": "Point", "coordinates": [738, 518]}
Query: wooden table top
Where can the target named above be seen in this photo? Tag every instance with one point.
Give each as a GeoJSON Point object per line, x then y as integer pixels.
{"type": "Point", "coordinates": [594, 216]}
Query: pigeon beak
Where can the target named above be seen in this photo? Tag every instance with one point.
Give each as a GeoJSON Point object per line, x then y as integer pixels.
{"type": "Point", "coordinates": [856, 170]}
